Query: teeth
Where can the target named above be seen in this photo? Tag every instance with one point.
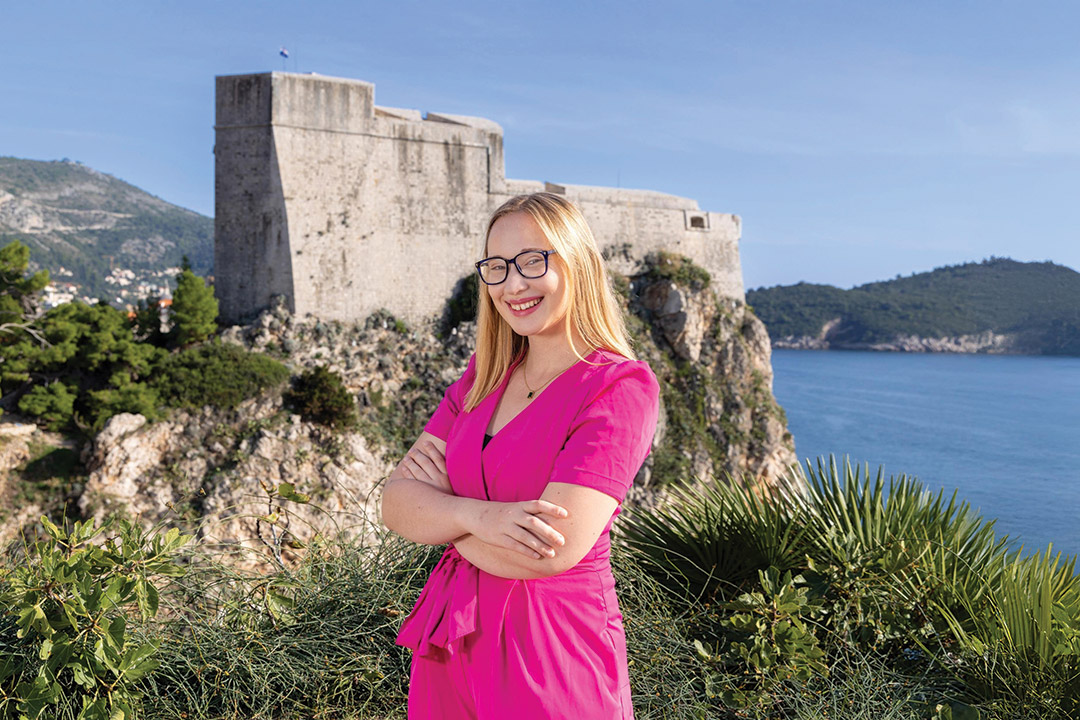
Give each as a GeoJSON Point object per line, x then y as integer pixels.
{"type": "Point", "coordinates": [524, 306]}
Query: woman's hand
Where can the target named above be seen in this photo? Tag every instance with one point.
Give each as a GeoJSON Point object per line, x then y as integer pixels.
{"type": "Point", "coordinates": [516, 526]}
{"type": "Point", "coordinates": [426, 463]}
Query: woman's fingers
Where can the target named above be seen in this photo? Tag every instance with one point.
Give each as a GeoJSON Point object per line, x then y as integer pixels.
{"type": "Point", "coordinates": [434, 455]}
{"type": "Point", "coordinates": [543, 531]}
{"type": "Point", "coordinates": [424, 462]}
{"type": "Point", "coordinates": [532, 544]}
{"type": "Point", "coordinates": [543, 506]}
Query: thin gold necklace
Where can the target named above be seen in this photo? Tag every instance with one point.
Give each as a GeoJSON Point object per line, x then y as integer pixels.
{"type": "Point", "coordinates": [525, 377]}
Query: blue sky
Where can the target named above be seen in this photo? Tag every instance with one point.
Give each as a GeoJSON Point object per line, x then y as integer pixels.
{"type": "Point", "coordinates": [857, 140]}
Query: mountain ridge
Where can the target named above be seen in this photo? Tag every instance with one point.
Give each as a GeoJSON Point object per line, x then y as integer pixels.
{"type": "Point", "coordinates": [90, 222]}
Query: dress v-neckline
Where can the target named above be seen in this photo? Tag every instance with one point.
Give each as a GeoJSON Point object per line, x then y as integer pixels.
{"type": "Point", "coordinates": [498, 394]}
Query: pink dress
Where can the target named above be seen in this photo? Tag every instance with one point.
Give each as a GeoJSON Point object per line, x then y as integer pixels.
{"type": "Point", "coordinates": [492, 648]}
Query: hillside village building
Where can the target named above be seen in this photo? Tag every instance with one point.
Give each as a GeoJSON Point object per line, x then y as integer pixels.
{"type": "Point", "coordinates": [345, 207]}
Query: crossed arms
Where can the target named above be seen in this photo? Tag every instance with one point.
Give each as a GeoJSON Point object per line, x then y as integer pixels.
{"type": "Point", "coordinates": [517, 540]}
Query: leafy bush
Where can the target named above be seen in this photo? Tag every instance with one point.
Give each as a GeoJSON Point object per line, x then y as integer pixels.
{"type": "Point", "coordinates": [319, 395]}
{"type": "Point", "coordinates": [69, 650]}
{"type": "Point", "coordinates": [1022, 636]}
{"type": "Point", "coordinates": [215, 374]}
{"type": "Point", "coordinates": [53, 404]}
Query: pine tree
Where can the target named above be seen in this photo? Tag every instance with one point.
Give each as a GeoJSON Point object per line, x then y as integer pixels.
{"type": "Point", "coordinates": [19, 295]}
{"type": "Point", "coordinates": [194, 309]}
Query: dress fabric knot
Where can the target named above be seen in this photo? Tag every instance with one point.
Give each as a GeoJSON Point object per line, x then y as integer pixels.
{"type": "Point", "coordinates": [446, 610]}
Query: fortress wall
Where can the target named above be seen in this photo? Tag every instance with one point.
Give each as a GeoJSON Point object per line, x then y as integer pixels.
{"type": "Point", "coordinates": [252, 257]}
{"type": "Point", "coordinates": [347, 207]}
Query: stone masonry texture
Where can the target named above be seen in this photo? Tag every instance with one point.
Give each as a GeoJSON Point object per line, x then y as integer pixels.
{"type": "Point", "coordinates": [344, 207]}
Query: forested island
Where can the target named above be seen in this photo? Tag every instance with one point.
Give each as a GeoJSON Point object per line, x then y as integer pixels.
{"type": "Point", "coordinates": [998, 305]}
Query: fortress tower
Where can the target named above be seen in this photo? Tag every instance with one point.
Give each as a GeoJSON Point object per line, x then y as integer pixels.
{"type": "Point", "coordinates": [345, 207]}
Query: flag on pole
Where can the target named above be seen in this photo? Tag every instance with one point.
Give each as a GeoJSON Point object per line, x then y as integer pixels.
{"type": "Point", "coordinates": [283, 52]}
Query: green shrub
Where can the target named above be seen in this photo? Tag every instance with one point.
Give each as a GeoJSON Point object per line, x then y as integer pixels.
{"type": "Point", "coordinates": [217, 374]}
{"type": "Point", "coordinates": [69, 649]}
{"type": "Point", "coordinates": [1021, 638]}
{"type": "Point", "coordinates": [319, 395]}
{"type": "Point", "coordinates": [769, 639]}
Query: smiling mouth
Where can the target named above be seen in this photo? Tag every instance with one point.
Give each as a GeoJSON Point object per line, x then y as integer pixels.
{"type": "Point", "coordinates": [525, 305]}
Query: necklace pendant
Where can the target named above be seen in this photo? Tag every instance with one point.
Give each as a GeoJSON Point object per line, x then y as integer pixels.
{"type": "Point", "coordinates": [529, 396]}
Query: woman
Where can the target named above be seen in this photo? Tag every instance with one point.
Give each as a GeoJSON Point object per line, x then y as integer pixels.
{"type": "Point", "coordinates": [522, 469]}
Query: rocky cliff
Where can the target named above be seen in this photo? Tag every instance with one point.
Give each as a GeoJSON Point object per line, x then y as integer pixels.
{"type": "Point", "coordinates": [223, 472]}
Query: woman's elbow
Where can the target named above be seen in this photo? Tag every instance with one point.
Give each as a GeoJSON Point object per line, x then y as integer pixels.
{"type": "Point", "coordinates": [387, 507]}
{"type": "Point", "coordinates": [550, 567]}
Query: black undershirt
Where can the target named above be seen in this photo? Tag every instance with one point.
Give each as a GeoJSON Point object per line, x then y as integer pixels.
{"type": "Point", "coordinates": [487, 439]}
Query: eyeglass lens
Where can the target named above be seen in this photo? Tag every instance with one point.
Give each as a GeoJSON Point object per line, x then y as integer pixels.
{"type": "Point", "coordinates": [530, 264]}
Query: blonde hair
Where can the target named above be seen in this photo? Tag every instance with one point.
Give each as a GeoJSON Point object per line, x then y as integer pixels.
{"type": "Point", "coordinates": [593, 312]}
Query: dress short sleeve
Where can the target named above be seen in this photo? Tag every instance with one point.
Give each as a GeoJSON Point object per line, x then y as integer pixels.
{"type": "Point", "coordinates": [453, 401]}
{"type": "Point", "coordinates": [612, 434]}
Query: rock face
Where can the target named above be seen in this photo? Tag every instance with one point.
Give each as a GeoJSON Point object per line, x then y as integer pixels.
{"type": "Point", "coordinates": [713, 358]}
{"type": "Point", "coordinates": [981, 342]}
{"type": "Point", "coordinates": [229, 475]}
{"type": "Point", "coordinates": [984, 342]}
{"type": "Point", "coordinates": [220, 473]}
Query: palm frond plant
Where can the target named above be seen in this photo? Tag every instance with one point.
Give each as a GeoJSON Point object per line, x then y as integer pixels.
{"type": "Point", "coordinates": [708, 542]}
{"type": "Point", "coordinates": [1021, 635]}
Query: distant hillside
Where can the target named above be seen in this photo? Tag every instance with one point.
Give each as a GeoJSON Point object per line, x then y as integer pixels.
{"type": "Point", "coordinates": [998, 305]}
{"type": "Point", "coordinates": [75, 217]}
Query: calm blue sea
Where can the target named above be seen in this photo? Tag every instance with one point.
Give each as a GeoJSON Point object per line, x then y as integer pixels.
{"type": "Point", "coordinates": [1004, 430]}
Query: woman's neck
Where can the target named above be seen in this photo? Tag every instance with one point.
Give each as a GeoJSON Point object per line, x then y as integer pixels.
{"type": "Point", "coordinates": [546, 355]}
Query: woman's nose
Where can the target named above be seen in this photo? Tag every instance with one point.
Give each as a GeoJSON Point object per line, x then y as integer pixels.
{"type": "Point", "coordinates": [514, 278]}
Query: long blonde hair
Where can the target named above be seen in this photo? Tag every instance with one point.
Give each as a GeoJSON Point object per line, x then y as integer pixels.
{"type": "Point", "coordinates": [593, 312]}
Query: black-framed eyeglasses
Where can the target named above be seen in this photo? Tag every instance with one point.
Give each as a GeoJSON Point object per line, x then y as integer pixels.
{"type": "Point", "coordinates": [531, 264]}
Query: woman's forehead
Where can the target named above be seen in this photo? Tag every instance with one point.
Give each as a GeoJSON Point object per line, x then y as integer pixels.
{"type": "Point", "coordinates": [515, 233]}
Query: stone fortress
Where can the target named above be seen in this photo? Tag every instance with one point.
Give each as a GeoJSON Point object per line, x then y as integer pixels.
{"type": "Point", "coordinates": [345, 207]}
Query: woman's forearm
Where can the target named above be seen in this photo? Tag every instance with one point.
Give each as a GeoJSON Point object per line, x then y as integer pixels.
{"type": "Point", "coordinates": [425, 514]}
{"type": "Point", "coordinates": [502, 562]}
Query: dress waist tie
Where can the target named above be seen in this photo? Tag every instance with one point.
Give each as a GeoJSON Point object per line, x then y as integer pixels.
{"type": "Point", "coordinates": [447, 608]}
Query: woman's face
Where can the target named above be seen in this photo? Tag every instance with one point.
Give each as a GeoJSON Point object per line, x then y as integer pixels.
{"type": "Point", "coordinates": [534, 307]}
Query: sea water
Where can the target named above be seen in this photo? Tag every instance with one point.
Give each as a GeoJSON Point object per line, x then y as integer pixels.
{"type": "Point", "coordinates": [1002, 430]}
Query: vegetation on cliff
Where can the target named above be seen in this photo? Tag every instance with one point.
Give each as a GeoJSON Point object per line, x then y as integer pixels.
{"type": "Point", "coordinates": [1036, 303]}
